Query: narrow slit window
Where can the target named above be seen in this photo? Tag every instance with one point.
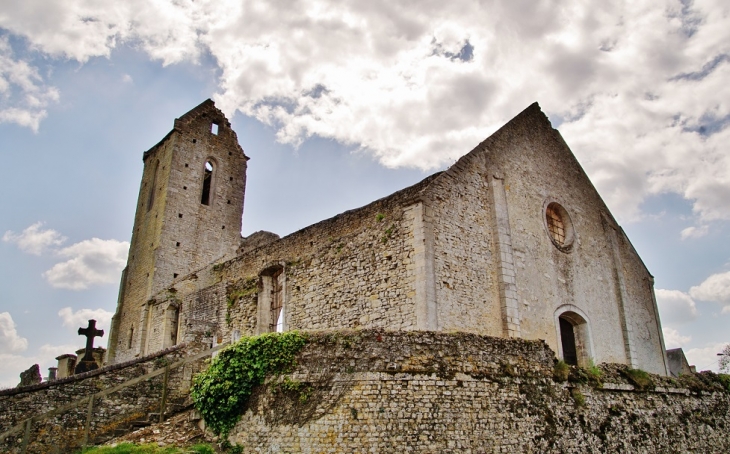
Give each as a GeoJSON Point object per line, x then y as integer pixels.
{"type": "Point", "coordinates": [207, 182]}
{"type": "Point", "coordinates": [151, 197]}
{"type": "Point", "coordinates": [214, 129]}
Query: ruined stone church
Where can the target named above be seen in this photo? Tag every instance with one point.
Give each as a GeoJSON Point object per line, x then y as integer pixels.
{"type": "Point", "coordinates": [512, 240]}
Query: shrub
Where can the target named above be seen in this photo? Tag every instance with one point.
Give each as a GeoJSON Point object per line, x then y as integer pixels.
{"type": "Point", "coordinates": [221, 392]}
{"type": "Point", "coordinates": [561, 371]}
{"type": "Point", "coordinates": [640, 379]}
{"type": "Point", "coordinates": [594, 371]}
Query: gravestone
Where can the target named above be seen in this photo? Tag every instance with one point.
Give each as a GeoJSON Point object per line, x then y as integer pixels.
{"type": "Point", "coordinates": [88, 363]}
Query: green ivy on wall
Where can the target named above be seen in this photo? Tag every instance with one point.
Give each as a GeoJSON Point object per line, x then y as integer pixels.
{"type": "Point", "coordinates": [220, 393]}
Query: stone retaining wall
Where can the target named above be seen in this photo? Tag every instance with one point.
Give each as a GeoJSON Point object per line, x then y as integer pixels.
{"type": "Point", "coordinates": [110, 414]}
{"type": "Point", "coordinates": [377, 391]}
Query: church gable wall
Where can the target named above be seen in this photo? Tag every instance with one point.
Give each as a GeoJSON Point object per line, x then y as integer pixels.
{"type": "Point", "coordinates": [581, 278]}
{"type": "Point", "coordinates": [497, 270]}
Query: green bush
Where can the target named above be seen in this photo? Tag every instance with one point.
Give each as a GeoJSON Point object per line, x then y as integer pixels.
{"type": "Point", "coordinates": [221, 392]}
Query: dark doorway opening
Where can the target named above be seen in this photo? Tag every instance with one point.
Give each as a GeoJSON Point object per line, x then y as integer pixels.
{"type": "Point", "coordinates": [567, 338]}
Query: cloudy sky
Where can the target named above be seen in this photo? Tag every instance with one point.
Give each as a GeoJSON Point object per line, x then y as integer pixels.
{"type": "Point", "coordinates": [339, 103]}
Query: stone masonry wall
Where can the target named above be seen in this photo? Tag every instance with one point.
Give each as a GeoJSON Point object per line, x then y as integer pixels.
{"type": "Point", "coordinates": [111, 414]}
{"type": "Point", "coordinates": [465, 267]}
{"type": "Point", "coordinates": [388, 392]}
{"type": "Point", "coordinates": [355, 270]}
{"type": "Point", "coordinates": [178, 234]}
{"type": "Point", "coordinates": [530, 164]}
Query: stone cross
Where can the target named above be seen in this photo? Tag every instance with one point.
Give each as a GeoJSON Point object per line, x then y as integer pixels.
{"type": "Point", "coordinates": [90, 332]}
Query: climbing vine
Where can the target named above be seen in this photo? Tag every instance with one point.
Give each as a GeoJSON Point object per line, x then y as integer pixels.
{"type": "Point", "coordinates": [220, 393]}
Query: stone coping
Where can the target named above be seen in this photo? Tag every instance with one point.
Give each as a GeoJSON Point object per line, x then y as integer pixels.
{"type": "Point", "coordinates": [93, 373]}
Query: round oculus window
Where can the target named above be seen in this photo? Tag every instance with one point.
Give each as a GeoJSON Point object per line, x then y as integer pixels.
{"type": "Point", "coordinates": [559, 226]}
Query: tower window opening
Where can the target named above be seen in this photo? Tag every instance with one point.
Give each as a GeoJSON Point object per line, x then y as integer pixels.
{"type": "Point", "coordinates": [214, 129]}
{"type": "Point", "coordinates": [207, 182]}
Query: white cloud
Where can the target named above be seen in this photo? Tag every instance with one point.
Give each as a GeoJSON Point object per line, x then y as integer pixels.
{"type": "Point", "coordinates": [695, 232]}
{"type": "Point", "coordinates": [10, 340]}
{"type": "Point", "coordinates": [23, 94]}
{"type": "Point", "coordinates": [90, 262]}
{"type": "Point", "coordinates": [705, 358]}
{"type": "Point", "coordinates": [639, 86]}
{"type": "Point", "coordinates": [80, 318]}
{"type": "Point", "coordinates": [52, 351]}
{"type": "Point", "coordinates": [673, 339]}
{"type": "Point", "coordinates": [14, 364]}
{"type": "Point", "coordinates": [675, 307]}
{"type": "Point", "coordinates": [33, 239]}
{"type": "Point", "coordinates": [714, 288]}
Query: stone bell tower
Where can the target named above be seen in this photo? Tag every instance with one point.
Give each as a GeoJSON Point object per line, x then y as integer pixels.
{"type": "Point", "coordinates": [188, 215]}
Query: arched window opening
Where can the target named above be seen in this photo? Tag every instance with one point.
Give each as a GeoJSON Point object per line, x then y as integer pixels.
{"type": "Point", "coordinates": [277, 302]}
{"type": "Point", "coordinates": [151, 195]}
{"type": "Point", "coordinates": [207, 183]}
{"type": "Point", "coordinates": [272, 300]}
{"type": "Point", "coordinates": [574, 337]}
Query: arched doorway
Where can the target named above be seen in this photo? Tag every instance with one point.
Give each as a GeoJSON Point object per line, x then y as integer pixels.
{"type": "Point", "coordinates": [574, 336]}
